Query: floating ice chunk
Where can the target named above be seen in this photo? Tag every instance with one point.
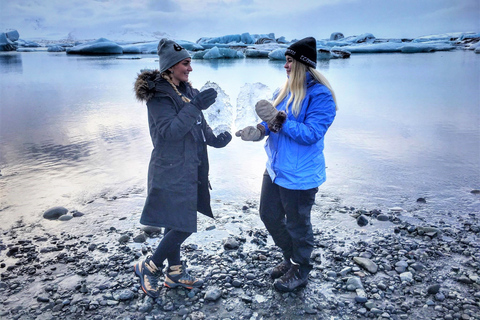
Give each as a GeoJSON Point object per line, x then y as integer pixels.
{"type": "Point", "coordinates": [56, 48]}
{"type": "Point", "coordinates": [439, 37]}
{"type": "Point", "coordinates": [213, 53]}
{"type": "Point", "coordinates": [137, 48]}
{"type": "Point", "coordinates": [228, 39]}
{"type": "Point", "coordinates": [220, 115]}
{"type": "Point", "coordinates": [340, 53]}
{"type": "Point", "coordinates": [100, 46]}
{"type": "Point", "coordinates": [253, 53]}
{"type": "Point", "coordinates": [426, 47]}
{"type": "Point", "coordinates": [27, 44]}
{"type": "Point", "coordinates": [372, 48]}
{"type": "Point", "coordinates": [336, 36]}
{"type": "Point", "coordinates": [363, 38]}
{"type": "Point", "coordinates": [277, 54]}
{"type": "Point", "coordinates": [190, 46]}
{"type": "Point", "coordinates": [249, 95]}
{"type": "Point", "coordinates": [235, 39]}
{"type": "Point", "coordinates": [7, 40]}
{"type": "Point", "coordinates": [221, 53]}
{"type": "Point", "coordinates": [199, 54]}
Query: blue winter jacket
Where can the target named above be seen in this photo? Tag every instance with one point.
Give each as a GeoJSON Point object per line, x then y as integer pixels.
{"type": "Point", "coordinates": [295, 153]}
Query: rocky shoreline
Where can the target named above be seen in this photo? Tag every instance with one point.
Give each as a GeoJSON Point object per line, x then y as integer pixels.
{"type": "Point", "coordinates": [371, 265]}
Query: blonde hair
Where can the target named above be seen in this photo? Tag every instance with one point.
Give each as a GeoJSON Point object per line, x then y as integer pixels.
{"type": "Point", "coordinates": [296, 86]}
{"type": "Point", "coordinates": [167, 76]}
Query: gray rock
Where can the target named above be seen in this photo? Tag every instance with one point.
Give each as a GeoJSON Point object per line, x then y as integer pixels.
{"type": "Point", "coordinates": [433, 289]}
{"type": "Point", "coordinates": [362, 221]}
{"type": "Point", "coordinates": [141, 238]}
{"type": "Point", "coordinates": [382, 217]}
{"type": "Point", "coordinates": [124, 239]}
{"type": "Point", "coordinates": [406, 276]}
{"type": "Point", "coordinates": [125, 295]}
{"type": "Point", "coordinates": [367, 264]}
{"type": "Point", "coordinates": [54, 213]}
{"type": "Point", "coordinates": [354, 283]}
{"type": "Point", "coordinates": [65, 217]}
{"type": "Point", "coordinates": [213, 294]}
{"type": "Point", "coordinates": [231, 244]}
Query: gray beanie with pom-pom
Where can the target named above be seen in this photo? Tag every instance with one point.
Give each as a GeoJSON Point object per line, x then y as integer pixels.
{"type": "Point", "coordinates": [170, 53]}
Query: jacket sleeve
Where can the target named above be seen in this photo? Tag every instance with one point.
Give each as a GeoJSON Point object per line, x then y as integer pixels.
{"type": "Point", "coordinates": [209, 135]}
{"type": "Point", "coordinates": [318, 118]}
{"type": "Point", "coordinates": [169, 124]}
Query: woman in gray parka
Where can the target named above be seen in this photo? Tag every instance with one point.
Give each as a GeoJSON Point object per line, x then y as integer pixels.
{"type": "Point", "coordinates": [178, 183]}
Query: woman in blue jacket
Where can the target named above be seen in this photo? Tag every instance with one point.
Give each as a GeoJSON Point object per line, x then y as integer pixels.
{"type": "Point", "coordinates": [302, 111]}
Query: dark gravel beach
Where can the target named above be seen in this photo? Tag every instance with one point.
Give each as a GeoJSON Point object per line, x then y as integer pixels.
{"type": "Point", "coordinates": [368, 264]}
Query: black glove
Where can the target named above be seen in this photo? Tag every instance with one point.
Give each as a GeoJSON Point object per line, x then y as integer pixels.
{"type": "Point", "coordinates": [222, 139]}
{"type": "Point", "coordinates": [204, 99]}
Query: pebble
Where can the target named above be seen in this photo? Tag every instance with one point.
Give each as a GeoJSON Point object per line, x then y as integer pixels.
{"type": "Point", "coordinates": [395, 270]}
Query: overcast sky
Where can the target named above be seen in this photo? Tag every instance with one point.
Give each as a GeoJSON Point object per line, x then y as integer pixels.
{"type": "Point", "coordinates": [192, 19]}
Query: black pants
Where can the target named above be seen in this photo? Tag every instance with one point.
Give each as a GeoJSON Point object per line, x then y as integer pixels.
{"type": "Point", "coordinates": [286, 215]}
{"type": "Point", "coordinates": [169, 247]}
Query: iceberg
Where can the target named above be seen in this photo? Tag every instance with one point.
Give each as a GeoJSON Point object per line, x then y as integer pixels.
{"type": "Point", "coordinates": [277, 54]}
{"type": "Point", "coordinates": [190, 46]}
{"type": "Point", "coordinates": [221, 53]}
{"type": "Point", "coordinates": [372, 48]}
{"type": "Point", "coordinates": [339, 54]}
{"type": "Point", "coordinates": [56, 48]}
{"type": "Point", "coordinates": [228, 39]}
{"type": "Point", "coordinates": [137, 48]}
{"type": "Point", "coordinates": [100, 46]}
{"type": "Point", "coordinates": [27, 44]}
{"type": "Point", "coordinates": [254, 53]}
{"type": "Point", "coordinates": [235, 39]}
{"type": "Point", "coordinates": [336, 36]}
{"type": "Point", "coordinates": [7, 40]}
{"type": "Point", "coordinates": [363, 38]}
{"type": "Point", "coordinates": [426, 47]}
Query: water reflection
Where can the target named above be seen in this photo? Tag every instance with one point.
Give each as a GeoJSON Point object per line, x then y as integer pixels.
{"type": "Point", "coordinates": [53, 154]}
{"type": "Point", "coordinates": [65, 140]}
{"type": "Point", "coordinates": [10, 62]}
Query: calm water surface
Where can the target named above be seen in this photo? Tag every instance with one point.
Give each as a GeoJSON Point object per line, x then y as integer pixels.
{"type": "Point", "coordinates": [408, 126]}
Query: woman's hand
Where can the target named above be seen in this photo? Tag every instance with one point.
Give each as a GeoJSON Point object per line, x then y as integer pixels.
{"type": "Point", "coordinates": [222, 139]}
{"type": "Point", "coordinates": [251, 133]}
{"type": "Point", "coordinates": [204, 99]}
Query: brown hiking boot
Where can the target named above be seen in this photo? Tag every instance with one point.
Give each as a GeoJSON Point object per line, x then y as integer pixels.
{"type": "Point", "coordinates": [149, 275]}
{"type": "Point", "coordinates": [280, 269]}
{"type": "Point", "coordinates": [178, 276]}
{"type": "Point", "coordinates": [291, 280]}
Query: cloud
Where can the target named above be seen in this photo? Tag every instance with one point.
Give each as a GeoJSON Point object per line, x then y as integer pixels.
{"type": "Point", "coordinates": [192, 19]}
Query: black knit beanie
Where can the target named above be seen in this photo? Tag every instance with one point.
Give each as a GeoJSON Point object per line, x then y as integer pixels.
{"type": "Point", "coordinates": [304, 51]}
{"type": "Point", "coordinates": [170, 53]}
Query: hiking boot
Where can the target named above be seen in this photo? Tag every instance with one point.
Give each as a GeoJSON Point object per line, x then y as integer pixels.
{"type": "Point", "coordinates": [149, 275]}
{"type": "Point", "coordinates": [291, 280]}
{"type": "Point", "coordinates": [178, 276]}
{"type": "Point", "coordinates": [280, 269]}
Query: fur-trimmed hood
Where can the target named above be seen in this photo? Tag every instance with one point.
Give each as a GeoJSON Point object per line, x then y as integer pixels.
{"type": "Point", "coordinates": [145, 84]}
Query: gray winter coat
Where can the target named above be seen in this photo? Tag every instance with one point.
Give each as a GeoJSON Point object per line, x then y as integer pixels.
{"type": "Point", "coordinates": [178, 183]}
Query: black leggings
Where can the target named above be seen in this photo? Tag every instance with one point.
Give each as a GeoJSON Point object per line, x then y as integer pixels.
{"type": "Point", "coordinates": [169, 247]}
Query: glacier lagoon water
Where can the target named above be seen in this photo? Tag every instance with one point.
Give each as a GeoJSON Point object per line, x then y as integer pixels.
{"type": "Point", "coordinates": [408, 126]}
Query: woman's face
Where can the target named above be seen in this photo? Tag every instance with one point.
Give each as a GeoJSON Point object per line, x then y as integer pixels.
{"type": "Point", "coordinates": [288, 64]}
{"type": "Point", "coordinates": [180, 71]}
